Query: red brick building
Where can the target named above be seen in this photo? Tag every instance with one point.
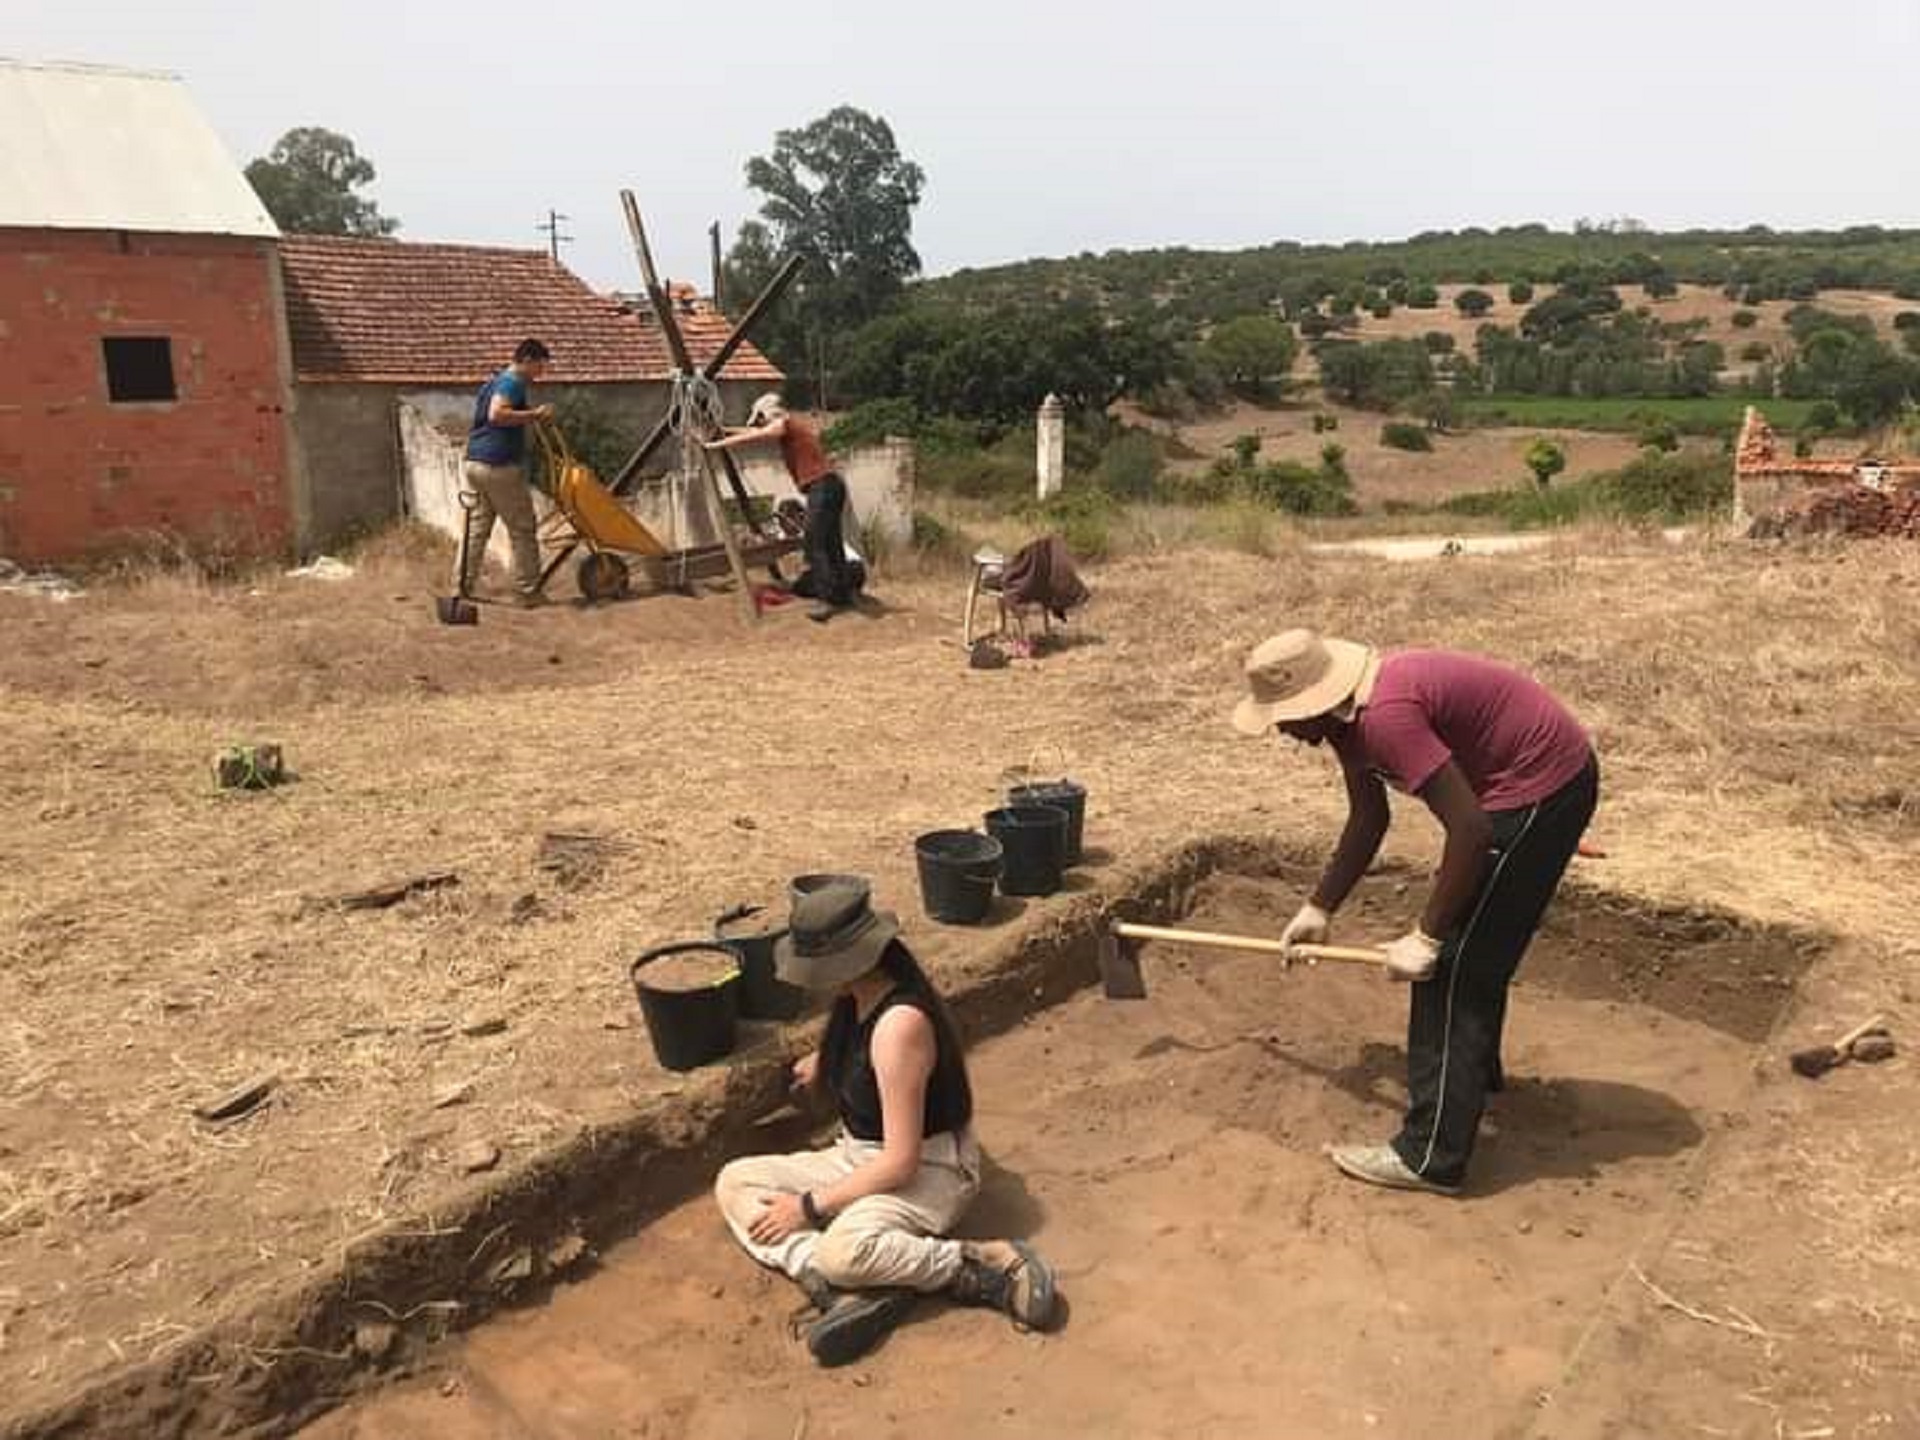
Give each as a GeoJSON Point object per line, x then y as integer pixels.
{"type": "Point", "coordinates": [146, 387]}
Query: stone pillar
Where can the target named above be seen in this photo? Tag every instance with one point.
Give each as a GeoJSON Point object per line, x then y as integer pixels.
{"type": "Point", "coordinates": [1053, 447]}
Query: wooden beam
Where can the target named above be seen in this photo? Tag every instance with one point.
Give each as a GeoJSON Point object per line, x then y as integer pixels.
{"type": "Point", "coordinates": [776, 287]}
{"type": "Point", "coordinates": [750, 609]}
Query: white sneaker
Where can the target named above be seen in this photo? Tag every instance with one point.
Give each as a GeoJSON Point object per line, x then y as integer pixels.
{"type": "Point", "coordinates": [1381, 1165]}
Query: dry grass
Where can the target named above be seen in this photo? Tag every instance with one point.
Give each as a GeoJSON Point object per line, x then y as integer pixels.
{"type": "Point", "coordinates": [1754, 708]}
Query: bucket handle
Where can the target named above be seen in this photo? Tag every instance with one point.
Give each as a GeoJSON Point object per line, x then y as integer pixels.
{"type": "Point", "coordinates": [1031, 773]}
{"type": "Point", "coordinates": [733, 914]}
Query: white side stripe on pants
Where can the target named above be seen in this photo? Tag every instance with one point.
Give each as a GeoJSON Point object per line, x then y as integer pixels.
{"type": "Point", "coordinates": [1453, 983]}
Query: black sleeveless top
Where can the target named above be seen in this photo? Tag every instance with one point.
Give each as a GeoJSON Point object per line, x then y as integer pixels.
{"type": "Point", "coordinates": [846, 1060]}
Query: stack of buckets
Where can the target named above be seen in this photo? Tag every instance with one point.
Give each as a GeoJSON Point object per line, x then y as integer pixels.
{"type": "Point", "coordinates": [1029, 844]}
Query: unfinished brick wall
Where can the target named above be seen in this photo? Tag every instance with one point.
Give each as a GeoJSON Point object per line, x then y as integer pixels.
{"type": "Point", "coordinates": [80, 474]}
{"type": "Point", "coordinates": [1778, 494]}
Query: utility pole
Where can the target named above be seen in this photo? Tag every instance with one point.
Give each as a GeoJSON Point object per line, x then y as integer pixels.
{"type": "Point", "coordinates": [719, 271]}
{"type": "Point", "coordinates": [550, 227]}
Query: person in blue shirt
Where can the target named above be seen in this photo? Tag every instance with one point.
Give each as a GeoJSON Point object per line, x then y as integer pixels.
{"type": "Point", "coordinates": [495, 473]}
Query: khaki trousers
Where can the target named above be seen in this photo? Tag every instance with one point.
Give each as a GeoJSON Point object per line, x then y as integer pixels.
{"type": "Point", "coordinates": [896, 1239]}
{"type": "Point", "coordinates": [499, 491]}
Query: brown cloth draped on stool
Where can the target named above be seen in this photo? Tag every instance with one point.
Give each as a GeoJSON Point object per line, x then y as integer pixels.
{"type": "Point", "coordinates": [1043, 574]}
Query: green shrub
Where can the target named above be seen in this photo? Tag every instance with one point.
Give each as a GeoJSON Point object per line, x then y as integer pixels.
{"type": "Point", "coordinates": [1546, 460]}
{"type": "Point", "coordinates": [1423, 297]}
{"type": "Point", "coordinates": [1298, 490]}
{"type": "Point", "coordinates": [1131, 465]}
{"type": "Point", "coordinates": [1907, 320]}
{"type": "Point", "coordinates": [1520, 292]}
{"type": "Point", "coordinates": [1405, 435]}
{"type": "Point", "coordinates": [1666, 487]}
{"type": "Point", "coordinates": [600, 435]}
{"type": "Point", "coordinates": [1323, 422]}
{"type": "Point", "coordinates": [1381, 309]}
{"type": "Point", "coordinates": [1246, 449]}
{"type": "Point", "coordinates": [1082, 516]}
{"type": "Point", "coordinates": [1333, 459]}
{"type": "Point", "coordinates": [1754, 351]}
{"type": "Point", "coordinates": [1659, 433]}
{"type": "Point", "coordinates": [1438, 342]}
{"type": "Point", "coordinates": [1745, 319]}
{"type": "Point", "coordinates": [1823, 417]}
{"type": "Point", "coordinates": [1655, 489]}
{"type": "Point", "coordinates": [1473, 303]}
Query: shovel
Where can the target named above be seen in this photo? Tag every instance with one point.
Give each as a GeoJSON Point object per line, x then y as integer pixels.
{"type": "Point", "coordinates": [457, 609]}
{"type": "Point", "coordinates": [1120, 974]}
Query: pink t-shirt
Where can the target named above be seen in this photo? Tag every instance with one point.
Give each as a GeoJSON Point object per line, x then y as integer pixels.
{"type": "Point", "coordinates": [1515, 743]}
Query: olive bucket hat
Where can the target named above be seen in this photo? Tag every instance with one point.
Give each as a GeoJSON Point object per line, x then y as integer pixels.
{"type": "Point", "coordinates": [834, 935]}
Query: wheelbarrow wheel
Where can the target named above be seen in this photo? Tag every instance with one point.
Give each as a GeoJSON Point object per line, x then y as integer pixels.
{"type": "Point", "coordinates": [603, 577]}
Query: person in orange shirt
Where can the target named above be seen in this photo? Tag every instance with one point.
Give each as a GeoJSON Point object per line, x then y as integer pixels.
{"type": "Point", "coordinates": [830, 571]}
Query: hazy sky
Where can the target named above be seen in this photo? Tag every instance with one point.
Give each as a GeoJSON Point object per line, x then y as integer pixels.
{"type": "Point", "coordinates": [1051, 129]}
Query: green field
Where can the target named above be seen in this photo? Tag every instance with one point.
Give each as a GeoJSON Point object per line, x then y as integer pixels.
{"type": "Point", "coordinates": [1703, 415]}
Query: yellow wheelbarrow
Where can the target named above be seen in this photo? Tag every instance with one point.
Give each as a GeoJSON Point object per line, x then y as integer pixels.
{"type": "Point", "coordinates": [588, 515]}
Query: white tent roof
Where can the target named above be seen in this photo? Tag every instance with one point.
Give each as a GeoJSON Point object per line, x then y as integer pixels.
{"type": "Point", "coordinates": [89, 147]}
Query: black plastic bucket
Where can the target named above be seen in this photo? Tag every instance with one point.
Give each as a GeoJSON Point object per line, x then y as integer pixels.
{"type": "Point", "coordinates": [958, 870]}
{"type": "Point", "coordinates": [751, 936]}
{"type": "Point", "coordinates": [1034, 839]}
{"type": "Point", "coordinates": [689, 1028]}
{"type": "Point", "coordinates": [1067, 795]}
{"type": "Point", "coordinates": [807, 884]}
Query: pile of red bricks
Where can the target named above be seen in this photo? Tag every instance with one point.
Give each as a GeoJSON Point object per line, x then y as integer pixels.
{"type": "Point", "coordinates": [1856, 510]}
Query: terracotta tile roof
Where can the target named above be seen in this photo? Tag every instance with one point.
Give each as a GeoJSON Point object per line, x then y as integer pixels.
{"type": "Point", "coordinates": [389, 311]}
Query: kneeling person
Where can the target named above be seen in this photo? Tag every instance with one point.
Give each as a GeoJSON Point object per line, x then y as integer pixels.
{"type": "Point", "coordinates": [862, 1226]}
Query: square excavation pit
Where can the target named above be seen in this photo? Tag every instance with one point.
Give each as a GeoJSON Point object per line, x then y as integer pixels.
{"type": "Point", "coordinates": [1223, 1279]}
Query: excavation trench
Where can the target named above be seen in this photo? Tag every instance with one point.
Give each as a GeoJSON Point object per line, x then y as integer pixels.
{"type": "Point", "coordinates": [1165, 1153]}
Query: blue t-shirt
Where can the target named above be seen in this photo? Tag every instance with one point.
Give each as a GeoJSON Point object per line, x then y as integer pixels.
{"type": "Point", "coordinates": [498, 444]}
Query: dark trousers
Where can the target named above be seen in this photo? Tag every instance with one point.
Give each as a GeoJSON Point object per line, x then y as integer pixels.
{"type": "Point", "coordinates": [1457, 1015]}
{"type": "Point", "coordinates": [825, 540]}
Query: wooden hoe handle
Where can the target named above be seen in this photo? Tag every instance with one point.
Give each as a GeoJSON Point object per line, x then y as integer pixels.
{"type": "Point", "coordinates": [1344, 954]}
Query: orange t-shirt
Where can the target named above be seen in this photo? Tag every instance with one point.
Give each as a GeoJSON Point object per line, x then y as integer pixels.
{"type": "Point", "coordinates": [806, 458]}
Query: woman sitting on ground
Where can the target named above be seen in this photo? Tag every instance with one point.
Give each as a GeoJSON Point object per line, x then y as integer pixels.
{"type": "Point", "coordinates": [862, 1226]}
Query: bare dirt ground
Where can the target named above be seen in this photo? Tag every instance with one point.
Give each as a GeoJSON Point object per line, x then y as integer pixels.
{"type": "Point", "coordinates": [1756, 710]}
{"type": "Point", "coordinates": [1223, 1280]}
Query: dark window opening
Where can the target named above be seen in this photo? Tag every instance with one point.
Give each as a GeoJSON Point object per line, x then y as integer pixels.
{"type": "Point", "coordinates": [139, 368]}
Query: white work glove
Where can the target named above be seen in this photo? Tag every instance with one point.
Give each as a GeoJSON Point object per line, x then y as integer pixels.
{"type": "Point", "coordinates": [1310, 927]}
{"type": "Point", "coordinates": [1413, 956]}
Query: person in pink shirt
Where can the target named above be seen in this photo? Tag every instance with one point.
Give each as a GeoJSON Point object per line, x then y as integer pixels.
{"type": "Point", "coordinates": [1512, 778]}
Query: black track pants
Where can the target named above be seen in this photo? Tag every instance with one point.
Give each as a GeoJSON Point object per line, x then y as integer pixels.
{"type": "Point", "coordinates": [1454, 1024]}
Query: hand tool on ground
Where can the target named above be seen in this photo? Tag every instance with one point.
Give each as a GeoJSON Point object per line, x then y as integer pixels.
{"type": "Point", "coordinates": [1815, 1062]}
{"type": "Point", "coordinates": [458, 608]}
{"type": "Point", "coordinates": [1120, 974]}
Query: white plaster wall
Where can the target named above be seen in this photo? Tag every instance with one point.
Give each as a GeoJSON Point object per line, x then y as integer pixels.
{"type": "Point", "coordinates": [433, 427]}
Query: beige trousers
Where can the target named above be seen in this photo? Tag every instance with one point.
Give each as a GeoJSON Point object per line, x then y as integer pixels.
{"type": "Point", "coordinates": [499, 491]}
{"type": "Point", "coordinates": [896, 1239]}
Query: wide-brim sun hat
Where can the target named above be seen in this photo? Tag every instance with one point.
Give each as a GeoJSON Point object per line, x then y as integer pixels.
{"type": "Point", "coordinates": [834, 936]}
{"type": "Point", "coordinates": [769, 406]}
{"type": "Point", "coordinates": [1297, 675]}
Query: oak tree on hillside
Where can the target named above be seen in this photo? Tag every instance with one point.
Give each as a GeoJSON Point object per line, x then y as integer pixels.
{"type": "Point", "coordinates": [1250, 352]}
{"type": "Point", "coordinates": [310, 181]}
{"type": "Point", "coordinates": [1473, 303]}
